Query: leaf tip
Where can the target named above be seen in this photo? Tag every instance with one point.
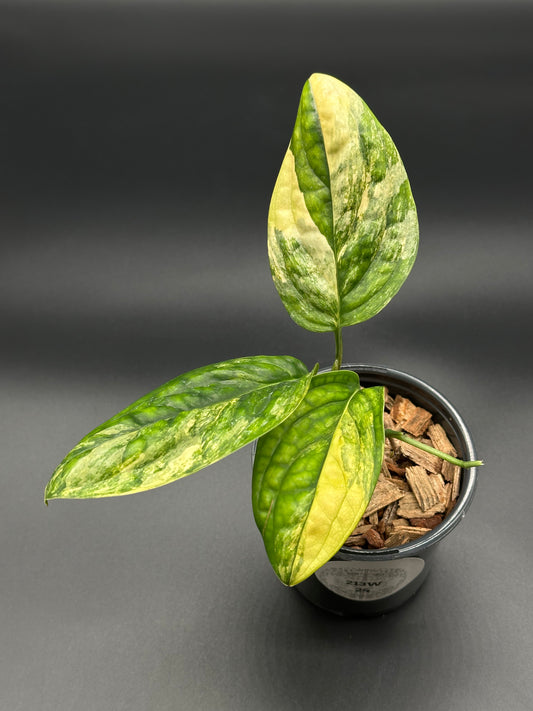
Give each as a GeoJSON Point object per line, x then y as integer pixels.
{"type": "Point", "coordinates": [47, 494]}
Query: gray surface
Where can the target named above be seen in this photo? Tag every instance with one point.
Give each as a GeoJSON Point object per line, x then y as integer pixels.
{"type": "Point", "coordinates": [142, 147]}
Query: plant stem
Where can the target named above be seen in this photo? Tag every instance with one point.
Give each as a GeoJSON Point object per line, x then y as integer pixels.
{"type": "Point", "coordinates": [338, 349]}
{"type": "Point", "coordinates": [426, 448]}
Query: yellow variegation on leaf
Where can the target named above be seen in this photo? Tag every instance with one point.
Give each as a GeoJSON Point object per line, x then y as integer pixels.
{"type": "Point", "coordinates": [342, 224]}
{"type": "Point", "coordinates": [181, 427]}
{"type": "Point", "coordinates": [315, 473]}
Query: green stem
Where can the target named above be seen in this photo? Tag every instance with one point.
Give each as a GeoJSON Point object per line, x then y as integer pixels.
{"type": "Point", "coordinates": [338, 349]}
{"type": "Point", "coordinates": [426, 448]}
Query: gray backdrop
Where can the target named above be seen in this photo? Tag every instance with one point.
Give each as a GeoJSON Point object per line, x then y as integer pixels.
{"type": "Point", "coordinates": [140, 144]}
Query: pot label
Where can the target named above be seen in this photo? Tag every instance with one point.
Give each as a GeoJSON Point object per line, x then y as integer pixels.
{"type": "Point", "coordinates": [357, 580]}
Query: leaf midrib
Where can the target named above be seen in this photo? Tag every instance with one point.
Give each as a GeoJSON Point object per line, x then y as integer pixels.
{"type": "Point", "coordinates": [321, 468]}
{"type": "Point", "coordinates": [334, 246]}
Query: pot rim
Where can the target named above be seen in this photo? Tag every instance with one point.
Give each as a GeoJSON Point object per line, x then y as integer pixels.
{"type": "Point", "coordinates": [469, 480]}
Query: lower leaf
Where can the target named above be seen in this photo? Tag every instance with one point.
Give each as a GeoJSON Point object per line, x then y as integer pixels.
{"type": "Point", "coordinates": [181, 427]}
{"type": "Point", "coordinates": [315, 473]}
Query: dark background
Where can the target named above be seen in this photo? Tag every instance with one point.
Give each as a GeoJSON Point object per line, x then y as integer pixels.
{"type": "Point", "coordinates": [140, 144]}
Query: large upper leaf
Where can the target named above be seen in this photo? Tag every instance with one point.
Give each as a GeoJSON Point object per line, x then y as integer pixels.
{"type": "Point", "coordinates": [342, 225]}
{"type": "Point", "coordinates": [315, 473]}
{"type": "Point", "coordinates": [186, 424]}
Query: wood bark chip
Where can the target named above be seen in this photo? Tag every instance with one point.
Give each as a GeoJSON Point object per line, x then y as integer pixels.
{"type": "Point", "coordinates": [362, 528]}
{"type": "Point", "coordinates": [450, 471]}
{"type": "Point", "coordinates": [398, 523]}
{"type": "Point", "coordinates": [402, 484]}
{"type": "Point", "coordinates": [456, 483]}
{"type": "Point", "coordinates": [422, 487]}
{"type": "Point", "coordinates": [374, 538]}
{"type": "Point", "coordinates": [388, 517]}
{"type": "Point", "coordinates": [392, 466]}
{"type": "Point", "coordinates": [396, 539]}
{"type": "Point", "coordinates": [411, 532]}
{"type": "Point", "coordinates": [415, 490]}
{"type": "Point", "coordinates": [439, 440]}
{"type": "Point", "coordinates": [402, 410]}
{"type": "Point", "coordinates": [442, 490]}
{"type": "Point", "coordinates": [427, 522]}
{"type": "Point", "coordinates": [356, 541]}
{"type": "Point", "coordinates": [385, 493]}
{"type": "Point", "coordinates": [409, 508]}
{"type": "Point", "coordinates": [429, 461]}
{"type": "Point", "coordinates": [418, 423]}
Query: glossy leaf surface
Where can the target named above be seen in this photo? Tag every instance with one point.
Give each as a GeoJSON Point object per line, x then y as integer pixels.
{"type": "Point", "coordinates": [342, 224]}
{"type": "Point", "coordinates": [315, 473]}
{"type": "Point", "coordinates": [181, 427]}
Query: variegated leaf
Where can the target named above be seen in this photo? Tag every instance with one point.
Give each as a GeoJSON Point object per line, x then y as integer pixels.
{"type": "Point", "coordinates": [315, 473]}
{"type": "Point", "coordinates": [183, 426]}
{"type": "Point", "coordinates": [342, 224]}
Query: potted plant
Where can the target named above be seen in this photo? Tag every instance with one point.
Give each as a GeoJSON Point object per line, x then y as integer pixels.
{"type": "Point", "coordinates": [342, 238]}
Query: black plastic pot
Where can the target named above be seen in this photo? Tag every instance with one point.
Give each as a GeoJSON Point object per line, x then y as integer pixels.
{"type": "Point", "coordinates": [373, 582]}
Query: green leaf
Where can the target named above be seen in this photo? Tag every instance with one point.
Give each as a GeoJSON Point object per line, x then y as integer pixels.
{"type": "Point", "coordinates": [183, 426]}
{"type": "Point", "coordinates": [315, 473]}
{"type": "Point", "coordinates": [342, 224]}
